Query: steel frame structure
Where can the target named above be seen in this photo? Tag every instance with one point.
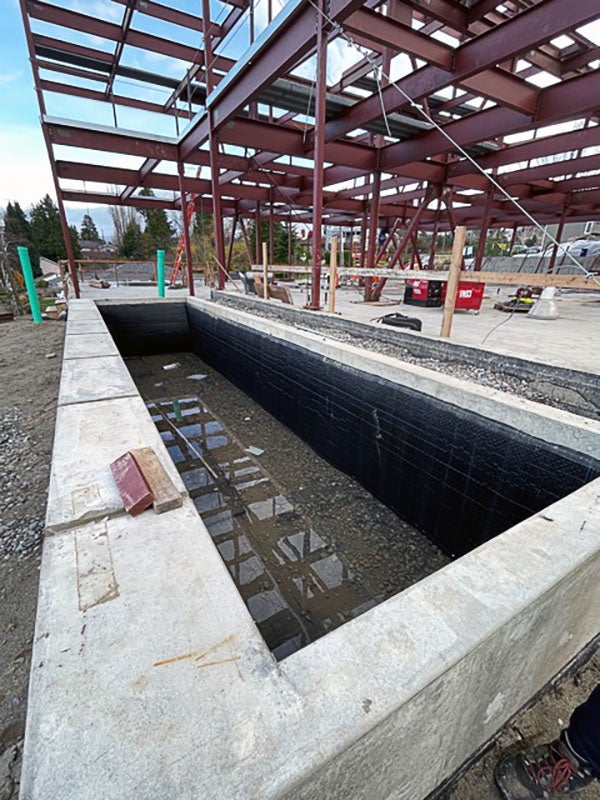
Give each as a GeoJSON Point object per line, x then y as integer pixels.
{"type": "Point", "coordinates": [354, 153]}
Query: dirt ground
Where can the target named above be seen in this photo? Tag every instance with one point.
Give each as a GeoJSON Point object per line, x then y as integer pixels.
{"type": "Point", "coordinates": [29, 382]}
{"type": "Point", "coordinates": [27, 414]}
{"type": "Point", "coordinates": [539, 723]}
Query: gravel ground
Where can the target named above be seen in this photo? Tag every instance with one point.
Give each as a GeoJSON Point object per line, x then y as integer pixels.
{"type": "Point", "coordinates": [532, 387]}
{"type": "Point", "coordinates": [27, 410]}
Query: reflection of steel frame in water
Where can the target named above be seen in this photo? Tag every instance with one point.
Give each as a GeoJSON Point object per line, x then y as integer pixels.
{"type": "Point", "coordinates": [295, 586]}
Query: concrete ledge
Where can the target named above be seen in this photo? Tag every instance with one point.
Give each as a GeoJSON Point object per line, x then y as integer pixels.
{"type": "Point", "coordinates": [89, 345]}
{"type": "Point", "coordinates": [149, 678]}
{"type": "Point", "coordinates": [544, 422]}
{"type": "Point", "coordinates": [100, 378]}
{"type": "Point", "coordinates": [89, 436]}
{"type": "Point", "coordinates": [79, 326]}
{"type": "Point", "coordinates": [100, 416]}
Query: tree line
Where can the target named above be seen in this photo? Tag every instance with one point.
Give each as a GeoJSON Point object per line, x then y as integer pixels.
{"type": "Point", "coordinates": [39, 230]}
{"type": "Point", "coordinates": [138, 234]}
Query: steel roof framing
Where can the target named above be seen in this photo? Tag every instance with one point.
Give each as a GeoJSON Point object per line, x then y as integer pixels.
{"type": "Point", "coordinates": [257, 127]}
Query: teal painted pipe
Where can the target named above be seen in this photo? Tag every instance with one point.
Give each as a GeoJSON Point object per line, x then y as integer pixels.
{"type": "Point", "coordinates": [160, 272]}
{"type": "Point", "coordinates": [34, 303]}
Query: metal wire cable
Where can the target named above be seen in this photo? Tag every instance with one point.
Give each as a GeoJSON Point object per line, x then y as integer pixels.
{"type": "Point", "coordinates": [369, 58]}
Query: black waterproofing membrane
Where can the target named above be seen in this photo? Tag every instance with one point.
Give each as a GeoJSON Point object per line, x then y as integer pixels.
{"type": "Point", "coordinates": [458, 477]}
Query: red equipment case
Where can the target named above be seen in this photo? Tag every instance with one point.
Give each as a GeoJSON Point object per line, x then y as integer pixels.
{"type": "Point", "coordinates": [469, 295]}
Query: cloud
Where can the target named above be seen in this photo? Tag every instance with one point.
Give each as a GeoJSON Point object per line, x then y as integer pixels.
{"type": "Point", "coordinates": [10, 76]}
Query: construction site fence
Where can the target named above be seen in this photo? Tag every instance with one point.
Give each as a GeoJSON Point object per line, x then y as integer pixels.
{"type": "Point", "coordinates": [122, 272]}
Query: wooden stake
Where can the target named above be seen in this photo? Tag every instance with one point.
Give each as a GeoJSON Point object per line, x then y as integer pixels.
{"type": "Point", "coordinates": [265, 272]}
{"type": "Point", "coordinates": [333, 273]}
{"type": "Point", "coordinates": [460, 234]}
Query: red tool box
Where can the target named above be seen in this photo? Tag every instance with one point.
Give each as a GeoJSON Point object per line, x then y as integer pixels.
{"type": "Point", "coordinates": [468, 296]}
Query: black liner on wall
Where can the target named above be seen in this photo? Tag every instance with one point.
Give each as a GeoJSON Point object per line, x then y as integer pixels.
{"type": "Point", "coordinates": [458, 477]}
{"type": "Point", "coordinates": [147, 328]}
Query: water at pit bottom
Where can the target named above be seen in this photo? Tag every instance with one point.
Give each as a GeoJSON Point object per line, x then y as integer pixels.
{"type": "Point", "coordinates": [307, 546]}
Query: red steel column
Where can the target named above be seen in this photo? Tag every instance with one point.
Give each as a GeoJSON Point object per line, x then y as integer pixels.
{"type": "Point", "coordinates": [373, 225]}
{"type": "Point", "coordinates": [258, 234]}
{"type": "Point", "coordinates": [64, 224]}
{"type": "Point", "coordinates": [271, 230]}
{"type": "Point", "coordinates": [186, 230]}
{"type": "Point", "coordinates": [246, 241]}
{"type": "Point", "coordinates": [232, 241]}
{"type": "Point", "coordinates": [485, 224]}
{"type": "Point", "coordinates": [213, 150]}
{"type": "Point", "coordinates": [319, 158]}
{"type": "Point", "coordinates": [362, 239]}
{"type": "Point", "coordinates": [558, 237]}
{"type": "Point", "coordinates": [513, 239]}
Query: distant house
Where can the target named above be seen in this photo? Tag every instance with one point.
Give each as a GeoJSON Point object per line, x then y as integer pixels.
{"type": "Point", "coordinates": [91, 251]}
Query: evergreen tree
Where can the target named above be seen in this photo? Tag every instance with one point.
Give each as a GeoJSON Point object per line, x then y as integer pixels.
{"type": "Point", "coordinates": [75, 242]}
{"type": "Point", "coordinates": [131, 245]}
{"type": "Point", "coordinates": [89, 231]}
{"type": "Point", "coordinates": [46, 231]}
{"type": "Point", "coordinates": [202, 240]}
{"type": "Point", "coordinates": [158, 232]}
{"type": "Point", "coordinates": [17, 232]}
{"type": "Point", "coordinates": [281, 238]}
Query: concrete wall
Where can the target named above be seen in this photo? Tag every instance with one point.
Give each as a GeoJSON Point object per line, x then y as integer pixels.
{"type": "Point", "coordinates": [149, 678]}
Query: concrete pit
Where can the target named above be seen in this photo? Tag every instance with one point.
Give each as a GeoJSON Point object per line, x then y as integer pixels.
{"type": "Point", "coordinates": [150, 675]}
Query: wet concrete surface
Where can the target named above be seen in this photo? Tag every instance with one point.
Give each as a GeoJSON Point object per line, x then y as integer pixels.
{"type": "Point", "coordinates": [307, 546]}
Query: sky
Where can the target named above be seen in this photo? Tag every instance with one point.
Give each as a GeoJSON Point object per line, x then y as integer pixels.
{"type": "Point", "coordinates": [25, 174]}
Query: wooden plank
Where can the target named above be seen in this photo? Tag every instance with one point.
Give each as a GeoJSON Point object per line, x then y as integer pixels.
{"type": "Point", "coordinates": [333, 274]}
{"type": "Point", "coordinates": [265, 272]}
{"type": "Point", "coordinates": [133, 487]}
{"type": "Point", "coordinates": [560, 280]}
{"type": "Point", "coordinates": [166, 494]}
{"type": "Point", "coordinates": [460, 234]}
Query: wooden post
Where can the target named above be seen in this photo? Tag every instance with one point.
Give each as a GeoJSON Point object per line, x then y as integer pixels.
{"type": "Point", "coordinates": [333, 273]}
{"type": "Point", "coordinates": [265, 272]}
{"type": "Point", "coordinates": [460, 234]}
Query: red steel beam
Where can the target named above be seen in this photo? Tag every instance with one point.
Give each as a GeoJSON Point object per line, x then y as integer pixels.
{"type": "Point", "coordinates": [538, 148]}
{"type": "Point", "coordinates": [186, 229]}
{"type": "Point", "coordinates": [574, 98]}
{"type": "Point", "coordinates": [536, 25]}
{"type": "Point", "coordinates": [281, 50]}
{"type": "Point", "coordinates": [172, 15]}
{"type": "Point", "coordinates": [496, 84]}
{"type": "Point", "coordinates": [120, 100]}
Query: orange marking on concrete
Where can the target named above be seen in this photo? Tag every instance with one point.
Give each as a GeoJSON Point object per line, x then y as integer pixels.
{"type": "Point", "coordinates": [214, 647]}
{"type": "Point", "coordinates": [222, 661]}
{"type": "Point", "coordinates": [173, 660]}
{"type": "Point", "coordinates": [198, 655]}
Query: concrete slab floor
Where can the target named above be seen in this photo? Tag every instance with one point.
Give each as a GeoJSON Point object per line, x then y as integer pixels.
{"type": "Point", "coordinates": [565, 342]}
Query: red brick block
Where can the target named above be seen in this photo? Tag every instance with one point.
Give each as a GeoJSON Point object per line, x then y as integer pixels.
{"type": "Point", "coordinates": [132, 485]}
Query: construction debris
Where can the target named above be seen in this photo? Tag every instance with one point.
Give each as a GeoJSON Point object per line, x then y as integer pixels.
{"type": "Point", "coordinates": [132, 485]}
{"type": "Point", "coordinates": [165, 493]}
